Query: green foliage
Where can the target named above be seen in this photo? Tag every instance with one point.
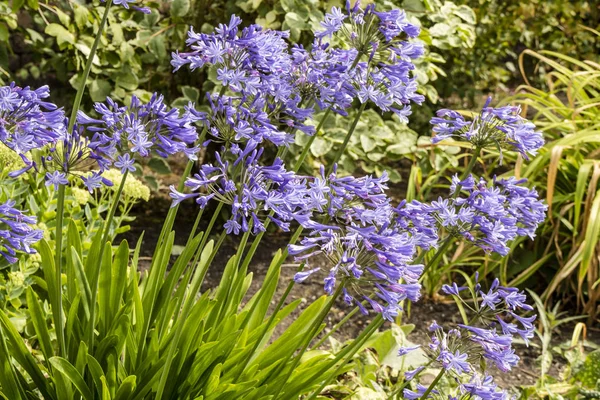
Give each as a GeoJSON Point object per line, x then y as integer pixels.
{"type": "Point", "coordinates": [578, 377]}
{"type": "Point", "coordinates": [377, 145]}
{"type": "Point", "coordinates": [156, 333]}
{"type": "Point", "coordinates": [85, 210]}
{"type": "Point", "coordinates": [566, 172]}
{"type": "Point", "coordinates": [56, 39]}
{"type": "Point", "coordinates": [504, 29]}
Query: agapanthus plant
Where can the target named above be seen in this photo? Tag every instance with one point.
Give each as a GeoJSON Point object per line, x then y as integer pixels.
{"type": "Point", "coordinates": [17, 232]}
{"type": "Point", "coordinates": [365, 251]}
{"type": "Point", "coordinates": [488, 214]}
{"type": "Point", "coordinates": [27, 120]}
{"type": "Point", "coordinates": [501, 128]}
{"type": "Point", "coordinates": [467, 351]}
{"type": "Point", "coordinates": [252, 190]}
{"type": "Point", "coordinates": [140, 129]}
{"type": "Point", "coordinates": [383, 77]}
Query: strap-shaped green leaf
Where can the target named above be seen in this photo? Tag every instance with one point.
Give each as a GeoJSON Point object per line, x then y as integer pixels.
{"type": "Point", "coordinates": [19, 351]}
{"type": "Point", "coordinates": [39, 323]}
{"type": "Point", "coordinates": [67, 369]}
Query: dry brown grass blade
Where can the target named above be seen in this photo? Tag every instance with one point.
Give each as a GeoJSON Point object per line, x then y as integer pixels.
{"type": "Point", "coordinates": [563, 273]}
{"type": "Point", "coordinates": [589, 197]}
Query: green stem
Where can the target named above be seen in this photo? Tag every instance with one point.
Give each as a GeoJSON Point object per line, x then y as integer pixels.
{"type": "Point", "coordinates": [61, 190]}
{"type": "Point", "coordinates": [438, 254]}
{"type": "Point", "coordinates": [310, 141]}
{"type": "Point", "coordinates": [59, 317]}
{"type": "Point", "coordinates": [211, 224]}
{"type": "Point", "coordinates": [405, 384]}
{"type": "Point", "coordinates": [341, 150]}
{"type": "Point", "coordinates": [314, 328]}
{"type": "Point", "coordinates": [170, 219]}
{"type": "Point", "coordinates": [88, 67]}
{"type": "Point", "coordinates": [471, 164]}
{"type": "Point", "coordinates": [354, 347]}
{"type": "Point", "coordinates": [447, 242]}
{"type": "Point", "coordinates": [435, 382]}
{"type": "Point", "coordinates": [195, 227]}
{"type": "Point", "coordinates": [96, 272]}
{"type": "Point", "coordinates": [338, 326]}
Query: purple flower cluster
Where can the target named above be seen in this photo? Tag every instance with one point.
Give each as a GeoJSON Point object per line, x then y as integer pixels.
{"type": "Point", "coordinates": [37, 130]}
{"type": "Point", "coordinates": [364, 248]}
{"type": "Point", "coordinates": [490, 215]}
{"type": "Point", "coordinates": [140, 129]}
{"type": "Point", "coordinates": [501, 127]}
{"type": "Point", "coordinates": [384, 78]}
{"type": "Point", "coordinates": [27, 121]}
{"type": "Point", "coordinates": [250, 189]}
{"type": "Point", "coordinates": [249, 121]}
{"type": "Point", "coordinates": [488, 338]}
{"type": "Point", "coordinates": [16, 232]}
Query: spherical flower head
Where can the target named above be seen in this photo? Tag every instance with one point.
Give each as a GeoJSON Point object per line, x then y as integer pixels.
{"type": "Point", "coordinates": [501, 127]}
{"type": "Point", "coordinates": [381, 67]}
{"type": "Point", "coordinates": [253, 191]}
{"type": "Point", "coordinates": [140, 129]}
{"type": "Point", "coordinates": [17, 233]}
{"type": "Point", "coordinates": [27, 121]}
{"type": "Point", "coordinates": [248, 61]}
{"type": "Point", "coordinates": [488, 214]}
{"type": "Point", "coordinates": [240, 121]}
{"type": "Point", "coordinates": [69, 156]}
{"type": "Point", "coordinates": [368, 253]}
{"type": "Point", "coordinates": [488, 337]}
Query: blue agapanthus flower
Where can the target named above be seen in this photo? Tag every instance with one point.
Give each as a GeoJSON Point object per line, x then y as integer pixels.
{"type": "Point", "coordinates": [382, 55]}
{"type": "Point", "coordinates": [501, 127]}
{"type": "Point", "coordinates": [251, 189]}
{"type": "Point", "coordinates": [490, 215]}
{"type": "Point", "coordinates": [16, 232]}
{"type": "Point", "coordinates": [255, 64]}
{"type": "Point", "coordinates": [27, 120]}
{"type": "Point", "coordinates": [248, 60]}
{"type": "Point", "coordinates": [490, 335]}
{"type": "Point", "coordinates": [465, 352]}
{"type": "Point", "coordinates": [364, 248]}
{"type": "Point", "coordinates": [250, 121]}
{"type": "Point", "coordinates": [140, 129]}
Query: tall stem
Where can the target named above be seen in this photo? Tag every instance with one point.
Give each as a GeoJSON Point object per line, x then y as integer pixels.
{"type": "Point", "coordinates": [341, 150]}
{"type": "Point", "coordinates": [310, 141]}
{"type": "Point", "coordinates": [88, 67]}
{"type": "Point", "coordinates": [447, 242]}
{"type": "Point", "coordinates": [61, 189]}
{"type": "Point", "coordinates": [471, 164]}
{"type": "Point", "coordinates": [433, 384]}
{"type": "Point", "coordinates": [59, 317]}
